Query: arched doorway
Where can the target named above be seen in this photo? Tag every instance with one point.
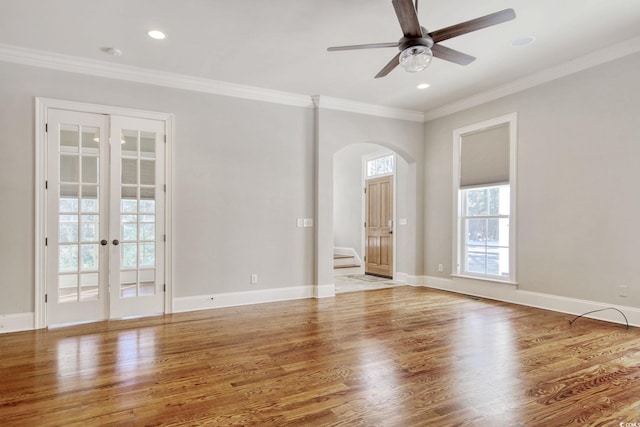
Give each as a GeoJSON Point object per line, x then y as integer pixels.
{"type": "Point", "coordinates": [337, 129]}
{"type": "Point", "coordinates": [356, 167]}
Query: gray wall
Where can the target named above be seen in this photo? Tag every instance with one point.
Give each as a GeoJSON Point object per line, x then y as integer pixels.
{"type": "Point", "coordinates": [347, 195]}
{"type": "Point", "coordinates": [245, 170]}
{"type": "Point", "coordinates": [577, 193]}
{"type": "Point", "coordinates": [243, 173]}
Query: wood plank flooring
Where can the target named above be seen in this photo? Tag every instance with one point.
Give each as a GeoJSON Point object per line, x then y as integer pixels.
{"type": "Point", "coordinates": [393, 357]}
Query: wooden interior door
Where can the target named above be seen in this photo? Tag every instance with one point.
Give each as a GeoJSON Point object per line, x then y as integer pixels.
{"type": "Point", "coordinates": [379, 227]}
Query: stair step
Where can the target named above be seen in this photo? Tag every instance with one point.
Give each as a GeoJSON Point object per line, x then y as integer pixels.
{"type": "Point", "coordinates": [344, 261]}
{"type": "Point", "coordinates": [346, 266]}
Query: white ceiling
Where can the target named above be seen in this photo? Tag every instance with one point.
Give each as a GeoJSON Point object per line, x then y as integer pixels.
{"type": "Point", "coordinates": [281, 44]}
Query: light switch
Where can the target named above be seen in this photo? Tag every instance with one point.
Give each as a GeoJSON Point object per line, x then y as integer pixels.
{"type": "Point", "coordinates": [300, 222]}
{"type": "Point", "coordinates": [308, 222]}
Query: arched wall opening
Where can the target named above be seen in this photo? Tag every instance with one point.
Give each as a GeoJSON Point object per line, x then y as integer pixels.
{"type": "Point", "coordinates": [336, 130]}
{"type": "Point", "coordinates": [349, 207]}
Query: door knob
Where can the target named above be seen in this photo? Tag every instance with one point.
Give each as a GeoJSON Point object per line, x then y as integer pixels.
{"type": "Point", "coordinates": [116, 242]}
{"type": "Point", "coordinates": [103, 242]}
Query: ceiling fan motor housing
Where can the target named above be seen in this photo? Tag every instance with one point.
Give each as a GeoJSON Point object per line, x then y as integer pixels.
{"type": "Point", "coordinates": [425, 40]}
{"type": "Point", "coordinates": [417, 41]}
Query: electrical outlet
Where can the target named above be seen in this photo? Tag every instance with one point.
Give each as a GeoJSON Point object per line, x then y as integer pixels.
{"type": "Point", "coordinates": [623, 291]}
{"type": "Point", "coordinates": [254, 279]}
{"type": "Point", "coordinates": [440, 268]}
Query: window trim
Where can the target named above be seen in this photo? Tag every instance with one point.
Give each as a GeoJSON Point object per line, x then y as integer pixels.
{"type": "Point", "coordinates": [457, 244]}
{"type": "Point", "coordinates": [375, 156]}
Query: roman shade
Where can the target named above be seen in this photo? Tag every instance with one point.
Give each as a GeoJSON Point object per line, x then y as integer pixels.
{"type": "Point", "coordinates": [484, 157]}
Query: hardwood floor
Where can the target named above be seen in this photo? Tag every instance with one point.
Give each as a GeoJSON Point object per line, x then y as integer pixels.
{"type": "Point", "coordinates": [393, 357]}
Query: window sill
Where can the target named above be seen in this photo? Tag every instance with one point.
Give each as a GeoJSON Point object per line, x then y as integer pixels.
{"type": "Point", "coordinates": [486, 279]}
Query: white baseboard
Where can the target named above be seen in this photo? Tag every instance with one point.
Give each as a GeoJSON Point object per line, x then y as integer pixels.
{"type": "Point", "coordinates": [409, 279]}
{"type": "Point", "coordinates": [16, 322]}
{"type": "Point", "coordinates": [348, 251]}
{"type": "Point", "coordinates": [324, 291]}
{"type": "Point", "coordinates": [511, 294]}
{"type": "Point", "coordinates": [232, 299]}
{"type": "Point", "coordinates": [501, 292]}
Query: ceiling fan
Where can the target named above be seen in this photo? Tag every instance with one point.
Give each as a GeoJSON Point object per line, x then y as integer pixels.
{"type": "Point", "coordinates": [418, 46]}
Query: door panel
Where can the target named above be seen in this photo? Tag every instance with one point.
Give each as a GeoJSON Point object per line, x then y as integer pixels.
{"type": "Point", "coordinates": [77, 185]}
{"type": "Point", "coordinates": [379, 226]}
{"type": "Point", "coordinates": [137, 217]}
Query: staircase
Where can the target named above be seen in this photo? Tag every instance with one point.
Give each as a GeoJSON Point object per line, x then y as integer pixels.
{"type": "Point", "coordinates": [344, 261]}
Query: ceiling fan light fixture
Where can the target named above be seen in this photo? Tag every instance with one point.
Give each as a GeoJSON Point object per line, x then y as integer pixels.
{"type": "Point", "coordinates": [416, 58]}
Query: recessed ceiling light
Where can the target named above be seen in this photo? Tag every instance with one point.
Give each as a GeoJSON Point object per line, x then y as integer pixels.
{"type": "Point", "coordinates": [523, 40]}
{"type": "Point", "coordinates": [155, 34]}
{"type": "Point", "coordinates": [423, 85]}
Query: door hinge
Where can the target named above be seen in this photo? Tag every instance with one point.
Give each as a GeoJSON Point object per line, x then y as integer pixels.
{"type": "Point", "coordinates": [165, 139]}
{"type": "Point", "coordinates": [46, 185]}
{"type": "Point", "coordinates": [164, 237]}
{"type": "Point", "coordinates": [46, 241]}
{"type": "Point", "coordinates": [165, 188]}
{"type": "Point", "coordinates": [365, 258]}
{"type": "Point", "coordinates": [46, 298]}
{"type": "Point", "coordinates": [46, 127]}
{"type": "Point", "coordinates": [164, 288]}
{"type": "Point", "coordinates": [365, 190]}
{"type": "Point", "coordinates": [365, 224]}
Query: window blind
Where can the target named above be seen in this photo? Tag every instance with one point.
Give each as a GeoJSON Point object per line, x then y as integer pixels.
{"type": "Point", "coordinates": [484, 157]}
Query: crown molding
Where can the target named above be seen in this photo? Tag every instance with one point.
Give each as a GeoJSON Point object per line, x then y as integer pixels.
{"type": "Point", "coordinates": [595, 58]}
{"type": "Point", "coordinates": [74, 64]}
{"type": "Point", "coordinates": [340, 104]}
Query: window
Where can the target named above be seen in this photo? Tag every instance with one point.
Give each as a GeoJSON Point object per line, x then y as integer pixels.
{"type": "Point", "coordinates": [484, 190]}
{"type": "Point", "coordinates": [380, 166]}
{"type": "Point", "coordinates": [485, 231]}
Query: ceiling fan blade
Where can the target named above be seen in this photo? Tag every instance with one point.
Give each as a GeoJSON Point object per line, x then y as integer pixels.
{"type": "Point", "coordinates": [363, 46]}
{"type": "Point", "coordinates": [408, 18]}
{"type": "Point", "coordinates": [451, 55]}
{"type": "Point", "coordinates": [389, 67]}
{"type": "Point", "coordinates": [472, 25]}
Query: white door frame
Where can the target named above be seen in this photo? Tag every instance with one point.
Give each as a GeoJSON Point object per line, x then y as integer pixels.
{"type": "Point", "coordinates": [41, 108]}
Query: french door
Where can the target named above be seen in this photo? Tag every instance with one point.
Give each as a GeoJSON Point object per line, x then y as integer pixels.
{"type": "Point", "coordinates": [105, 217]}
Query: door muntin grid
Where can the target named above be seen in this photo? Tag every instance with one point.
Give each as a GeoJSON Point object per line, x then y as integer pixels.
{"type": "Point", "coordinates": [138, 213]}
{"type": "Point", "coordinates": [78, 213]}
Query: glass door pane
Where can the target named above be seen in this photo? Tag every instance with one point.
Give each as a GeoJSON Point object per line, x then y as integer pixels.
{"type": "Point", "coordinates": [78, 213]}
{"type": "Point", "coordinates": [137, 214]}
